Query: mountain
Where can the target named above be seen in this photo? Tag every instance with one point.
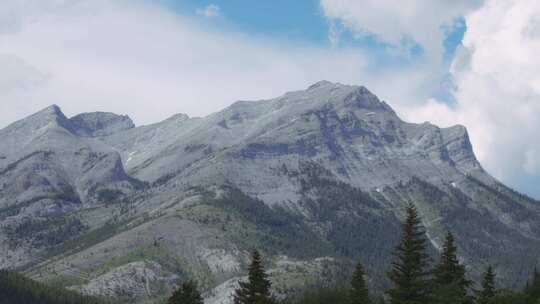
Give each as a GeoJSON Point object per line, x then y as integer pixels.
{"type": "Point", "coordinates": [315, 179]}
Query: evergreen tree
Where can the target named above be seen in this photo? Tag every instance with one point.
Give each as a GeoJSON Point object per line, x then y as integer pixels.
{"type": "Point", "coordinates": [257, 289]}
{"type": "Point", "coordinates": [409, 274]}
{"type": "Point", "coordinates": [533, 287]}
{"type": "Point", "coordinates": [186, 294]}
{"type": "Point", "coordinates": [450, 284]}
{"type": "Point", "coordinates": [488, 287]}
{"type": "Point", "coordinates": [359, 292]}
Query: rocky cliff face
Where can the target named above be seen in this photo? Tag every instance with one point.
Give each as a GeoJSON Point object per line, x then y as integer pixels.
{"type": "Point", "coordinates": [315, 178]}
{"type": "Point", "coordinates": [100, 124]}
{"type": "Point", "coordinates": [44, 158]}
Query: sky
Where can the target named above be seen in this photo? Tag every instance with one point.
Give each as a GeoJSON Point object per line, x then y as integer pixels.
{"type": "Point", "coordinates": [469, 62]}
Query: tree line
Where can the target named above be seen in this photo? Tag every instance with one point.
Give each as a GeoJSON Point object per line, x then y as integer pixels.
{"type": "Point", "coordinates": [412, 280]}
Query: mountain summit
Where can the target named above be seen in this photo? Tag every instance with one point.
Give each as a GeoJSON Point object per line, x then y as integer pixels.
{"type": "Point", "coordinates": [315, 178]}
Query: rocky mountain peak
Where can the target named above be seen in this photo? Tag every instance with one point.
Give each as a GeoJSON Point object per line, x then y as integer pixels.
{"type": "Point", "coordinates": [321, 84]}
{"type": "Point", "coordinates": [100, 124]}
{"type": "Point", "coordinates": [51, 110]}
{"type": "Point", "coordinates": [52, 113]}
{"type": "Point", "coordinates": [46, 118]}
{"type": "Point", "coordinates": [352, 97]}
{"type": "Point", "coordinates": [84, 125]}
{"type": "Point", "coordinates": [180, 117]}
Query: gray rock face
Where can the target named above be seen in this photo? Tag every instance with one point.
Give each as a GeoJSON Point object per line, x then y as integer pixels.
{"type": "Point", "coordinates": [322, 172]}
{"type": "Point", "coordinates": [346, 129]}
{"type": "Point", "coordinates": [136, 281]}
{"type": "Point", "coordinates": [48, 170]}
{"type": "Point", "coordinates": [100, 124]}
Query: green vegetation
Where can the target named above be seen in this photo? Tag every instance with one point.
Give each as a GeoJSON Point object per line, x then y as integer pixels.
{"type": "Point", "coordinates": [45, 233]}
{"type": "Point", "coordinates": [323, 296]}
{"type": "Point", "coordinates": [414, 283]}
{"type": "Point", "coordinates": [272, 229]}
{"type": "Point", "coordinates": [486, 295]}
{"type": "Point", "coordinates": [186, 294]}
{"type": "Point", "coordinates": [532, 290]}
{"type": "Point", "coordinates": [450, 284]}
{"type": "Point", "coordinates": [257, 288]}
{"type": "Point", "coordinates": [92, 237]}
{"type": "Point", "coordinates": [15, 288]}
{"type": "Point", "coordinates": [409, 274]}
{"type": "Point", "coordinates": [413, 277]}
{"type": "Point", "coordinates": [357, 227]}
{"type": "Point", "coordinates": [359, 292]}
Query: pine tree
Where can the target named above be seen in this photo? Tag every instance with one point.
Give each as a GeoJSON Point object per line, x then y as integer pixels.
{"type": "Point", "coordinates": [359, 292]}
{"type": "Point", "coordinates": [533, 287]}
{"type": "Point", "coordinates": [449, 282]}
{"type": "Point", "coordinates": [488, 287]}
{"type": "Point", "coordinates": [186, 294]}
{"type": "Point", "coordinates": [257, 289]}
{"type": "Point", "coordinates": [409, 274]}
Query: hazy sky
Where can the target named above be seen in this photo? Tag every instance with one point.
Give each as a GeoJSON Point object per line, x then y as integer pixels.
{"type": "Point", "coordinates": [470, 62]}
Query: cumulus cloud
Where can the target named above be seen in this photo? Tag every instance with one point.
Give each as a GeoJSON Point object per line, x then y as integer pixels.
{"type": "Point", "coordinates": [401, 24]}
{"type": "Point", "coordinates": [498, 83]}
{"type": "Point", "coordinates": [140, 59]}
{"type": "Point", "coordinates": [18, 75]}
{"type": "Point", "coordinates": [402, 27]}
{"type": "Point", "coordinates": [497, 79]}
{"type": "Point", "coordinates": [209, 11]}
{"type": "Point", "coordinates": [495, 71]}
{"type": "Point", "coordinates": [531, 164]}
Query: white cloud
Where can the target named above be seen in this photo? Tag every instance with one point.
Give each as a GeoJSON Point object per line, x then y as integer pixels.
{"type": "Point", "coordinates": [532, 162]}
{"type": "Point", "coordinates": [136, 58]}
{"type": "Point", "coordinates": [498, 82]}
{"type": "Point", "coordinates": [209, 11]}
{"type": "Point", "coordinates": [334, 33]}
{"type": "Point", "coordinates": [497, 78]}
{"type": "Point", "coordinates": [401, 23]}
{"type": "Point", "coordinates": [18, 75]}
{"type": "Point", "coordinates": [496, 71]}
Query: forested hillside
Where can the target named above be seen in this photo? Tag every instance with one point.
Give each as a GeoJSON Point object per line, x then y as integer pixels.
{"type": "Point", "coordinates": [414, 280]}
{"type": "Point", "coordinates": [17, 289]}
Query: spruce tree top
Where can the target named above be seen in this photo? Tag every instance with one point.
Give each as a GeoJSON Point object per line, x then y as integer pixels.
{"type": "Point", "coordinates": [186, 294]}
{"type": "Point", "coordinates": [450, 286]}
{"type": "Point", "coordinates": [257, 288]}
{"type": "Point", "coordinates": [450, 270]}
{"type": "Point", "coordinates": [359, 291]}
{"type": "Point", "coordinates": [409, 274]}
{"type": "Point", "coordinates": [488, 287]}
{"type": "Point", "coordinates": [533, 286]}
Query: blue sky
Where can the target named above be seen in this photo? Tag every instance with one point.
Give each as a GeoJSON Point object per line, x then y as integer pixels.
{"type": "Point", "coordinates": [301, 21]}
{"type": "Point", "coordinates": [469, 62]}
{"type": "Point", "coordinates": [304, 23]}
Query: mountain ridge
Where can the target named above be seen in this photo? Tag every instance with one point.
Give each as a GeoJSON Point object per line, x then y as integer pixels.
{"type": "Point", "coordinates": [330, 167]}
